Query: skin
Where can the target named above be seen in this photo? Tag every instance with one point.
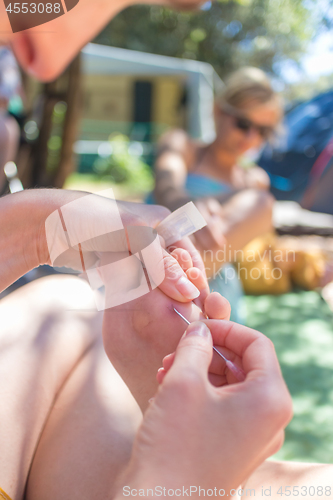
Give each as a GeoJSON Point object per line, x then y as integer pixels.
{"type": "Point", "coordinates": [178, 154]}
{"type": "Point", "coordinates": [44, 51]}
{"type": "Point", "coordinates": [232, 220]}
{"type": "Point", "coordinates": [291, 476]}
{"type": "Point", "coordinates": [61, 378]}
{"type": "Point", "coordinates": [26, 247]}
{"type": "Point", "coordinates": [78, 429]}
{"type": "Point", "coordinates": [231, 142]}
{"type": "Point", "coordinates": [80, 423]}
{"type": "Point", "coordinates": [256, 410]}
{"type": "Point", "coordinates": [36, 360]}
{"type": "Point", "coordinates": [150, 326]}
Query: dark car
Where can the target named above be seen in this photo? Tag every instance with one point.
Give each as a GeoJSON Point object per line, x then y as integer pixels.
{"type": "Point", "coordinates": [300, 167]}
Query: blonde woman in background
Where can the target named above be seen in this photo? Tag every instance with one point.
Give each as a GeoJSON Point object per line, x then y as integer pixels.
{"type": "Point", "coordinates": [234, 200]}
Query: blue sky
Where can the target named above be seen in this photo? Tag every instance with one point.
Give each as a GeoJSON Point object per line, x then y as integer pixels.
{"type": "Point", "coordinates": [319, 57]}
{"type": "Point", "coordinates": [316, 62]}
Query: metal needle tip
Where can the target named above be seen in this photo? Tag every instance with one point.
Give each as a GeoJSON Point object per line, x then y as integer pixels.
{"type": "Point", "coordinates": [183, 318]}
{"type": "Point", "coordinates": [187, 322]}
{"type": "Point", "coordinates": [240, 375]}
{"type": "Point", "coordinates": [220, 354]}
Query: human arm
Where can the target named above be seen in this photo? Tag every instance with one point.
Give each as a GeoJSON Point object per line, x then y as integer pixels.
{"type": "Point", "coordinates": [241, 218]}
{"type": "Point", "coordinates": [233, 219]}
{"type": "Point", "coordinates": [171, 168]}
{"type": "Point", "coordinates": [175, 154]}
{"type": "Point", "coordinates": [194, 433]}
{"type": "Point", "coordinates": [24, 246]}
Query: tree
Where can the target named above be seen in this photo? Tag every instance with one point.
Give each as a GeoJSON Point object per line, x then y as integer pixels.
{"type": "Point", "coordinates": [46, 159]}
{"type": "Point", "coordinates": [227, 33]}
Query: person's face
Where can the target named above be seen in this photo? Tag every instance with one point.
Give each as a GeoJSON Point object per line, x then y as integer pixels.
{"type": "Point", "coordinates": [249, 129]}
{"type": "Point", "coordinates": [46, 50]}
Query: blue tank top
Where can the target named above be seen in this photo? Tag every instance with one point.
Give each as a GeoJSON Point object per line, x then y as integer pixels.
{"type": "Point", "coordinates": [198, 186]}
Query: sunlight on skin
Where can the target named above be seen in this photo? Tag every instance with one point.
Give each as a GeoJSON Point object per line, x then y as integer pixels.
{"type": "Point", "coordinates": [138, 335]}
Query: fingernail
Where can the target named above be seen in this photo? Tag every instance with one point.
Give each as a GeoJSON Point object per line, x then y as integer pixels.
{"type": "Point", "coordinates": [187, 289]}
{"type": "Point", "coordinates": [198, 329]}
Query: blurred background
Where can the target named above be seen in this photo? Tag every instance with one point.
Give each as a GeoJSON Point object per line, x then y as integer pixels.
{"type": "Point", "coordinates": [109, 96]}
{"type": "Point", "coordinates": [152, 69]}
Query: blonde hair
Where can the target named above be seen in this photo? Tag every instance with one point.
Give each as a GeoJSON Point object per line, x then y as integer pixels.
{"type": "Point", "coordinates": [246, 88]}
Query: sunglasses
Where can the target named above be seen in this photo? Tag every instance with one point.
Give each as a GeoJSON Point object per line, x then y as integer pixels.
{"type": "Point", "coordinates": [246, 125]}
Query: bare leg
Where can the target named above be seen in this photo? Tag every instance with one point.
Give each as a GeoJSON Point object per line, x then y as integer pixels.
{"type": "Point", "coordinates": [88, 437]}
{"type": "Point", "coordinates": [67, 419]}
{"type": "Point", "coordinates": [40, 343]}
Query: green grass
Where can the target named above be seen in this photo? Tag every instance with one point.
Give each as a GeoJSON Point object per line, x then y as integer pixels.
{"type": "Point", "coordinates": [301, 327]}
{"type": "Point", "coordinates": [94, 183]}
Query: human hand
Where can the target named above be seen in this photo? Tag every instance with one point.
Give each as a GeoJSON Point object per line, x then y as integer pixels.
{"type": "Point", "coordinates": [195, 433]}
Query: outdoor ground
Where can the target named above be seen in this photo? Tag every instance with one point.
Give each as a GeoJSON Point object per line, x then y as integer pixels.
{"type": "Point", "coordinates": [301, 327]}
{"type": "Point", "coordinates": [93, 184]}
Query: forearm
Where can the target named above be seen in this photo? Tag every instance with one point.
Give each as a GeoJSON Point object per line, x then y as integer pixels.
{"type": "Point", "coordinates": [170, 181]}
{"type": "Point", "coordinates": [245, 216]}
{"type": "Point", "coordinates": [22, 227]}
{"type": "Point", "coordinates": [170, 197]}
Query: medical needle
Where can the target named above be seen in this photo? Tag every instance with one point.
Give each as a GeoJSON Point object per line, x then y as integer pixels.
{"type": "Point", "coordinates": [238, 372]}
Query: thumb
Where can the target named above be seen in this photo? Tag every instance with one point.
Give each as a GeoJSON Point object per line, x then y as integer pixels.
{"type": "Point", "coordinates": [194, 352]}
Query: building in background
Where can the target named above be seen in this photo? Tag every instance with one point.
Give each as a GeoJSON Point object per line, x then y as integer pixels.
{"type": "Point", "coordinates": [106, 92]}
{"type": "Point", "coordinates": [142, 94]}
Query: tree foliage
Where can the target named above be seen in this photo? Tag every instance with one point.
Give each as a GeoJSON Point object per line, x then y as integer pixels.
{"type": "Point", "coordinates": [227, 33]}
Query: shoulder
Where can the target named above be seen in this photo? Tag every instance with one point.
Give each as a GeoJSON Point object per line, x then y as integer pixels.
{"type": "Point", "coordinates": [176, 139]}
{"type": "Point", "coordinates": [178, 142]}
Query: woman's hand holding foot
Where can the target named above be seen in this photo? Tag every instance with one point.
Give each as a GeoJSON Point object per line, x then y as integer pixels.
{"type": "Point", "coordinates": [194, 433]}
